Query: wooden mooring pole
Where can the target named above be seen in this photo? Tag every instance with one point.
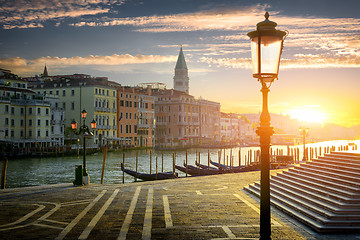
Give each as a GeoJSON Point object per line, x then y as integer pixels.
{"type": "Point", "coordinates": [173, 162]}
{"type": "Point", "coordinates": [208, 159]}
{"type": "Point", "coordinates": [156, 169]}
{"type": "Point", "coordinates": [123, 179]}
{"type": "Point", "coordinates": [162, 161]}
{"type": "Point", "coordinates": [186, 163]}
{"type": "Point", "coordinates": [103, 166]}
{"type": "Point", "coordinates": [150, 160]}
{"type": "Point", "coordinates": [136, 165]}
{"type": "Point", "coordinates": [3, 172]}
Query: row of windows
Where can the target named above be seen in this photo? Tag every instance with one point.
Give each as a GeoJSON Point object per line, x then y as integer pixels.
{"type": "Point", "coordinates": [136, 104]}
{"type": "Point", "coordinates": [187, 131]}
{"type": "Point", "coordinates": [127, 116]}
{"type": "Point", "coordinates": [103, 103]}
{"type": "Point", "coordinates": [99, 91]}
{"type": "Point", "coordinates": [56, 92]}
{"type": "Point", "coordinates": [30, 133]}
{"type": "Point", "coordinates": [30, 122]}
{"type": "Point", "coordinates": [22, 111]}
{"type": "Point", "coordinates": [127, 95]}
{"type": "Point", "coordinates": [128, 128]}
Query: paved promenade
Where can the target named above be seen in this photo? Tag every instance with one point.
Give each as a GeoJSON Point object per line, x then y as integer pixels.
{"type": "Point", "coordinates": [211, 207]}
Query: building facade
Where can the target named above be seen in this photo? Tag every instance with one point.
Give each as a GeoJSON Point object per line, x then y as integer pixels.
{"type": "Point", "coordinates": [82, 92]}
{"type": "Point", "coordinates": [25, 117]}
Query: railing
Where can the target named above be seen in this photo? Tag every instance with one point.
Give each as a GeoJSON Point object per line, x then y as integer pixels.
{"type": "Point", "coordinates": [143, 126]}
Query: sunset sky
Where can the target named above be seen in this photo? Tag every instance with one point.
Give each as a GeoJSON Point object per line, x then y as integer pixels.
{"type": "Point", "coordinates": [133, 41]}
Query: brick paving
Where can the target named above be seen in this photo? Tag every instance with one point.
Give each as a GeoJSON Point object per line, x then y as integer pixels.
{"type": "Point", "coordinates": [210, 207]}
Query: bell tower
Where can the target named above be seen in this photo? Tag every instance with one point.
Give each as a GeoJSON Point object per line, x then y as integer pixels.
{"type": "Point", "coordinates": [181, 78]}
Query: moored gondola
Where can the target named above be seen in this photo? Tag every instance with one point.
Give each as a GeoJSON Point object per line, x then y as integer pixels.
{"type": "Point", "coordinates": [196, 171]}
{"type": "Point", "coordinates": [222, 166]}
{"type": "Point", "coordinates": [150, 177]}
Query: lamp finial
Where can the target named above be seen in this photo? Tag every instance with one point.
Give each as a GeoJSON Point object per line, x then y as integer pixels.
{"type": "Point", "coordinates": [267, 15]}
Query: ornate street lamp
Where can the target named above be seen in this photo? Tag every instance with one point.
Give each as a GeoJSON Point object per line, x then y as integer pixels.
{"type": "Point", "coordinates": [266, 49]}
{"type": "Point", "coordinates": [85, 131]}
{"type": "Point", "coordinates": [304, 131]}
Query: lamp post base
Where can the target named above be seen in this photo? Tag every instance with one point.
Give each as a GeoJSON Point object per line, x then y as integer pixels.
{"type": "Point", "coordinates": [86, 180]}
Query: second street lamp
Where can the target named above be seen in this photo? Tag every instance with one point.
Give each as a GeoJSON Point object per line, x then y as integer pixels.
{"type": "Point", "coordinates": [85, 131]}
{"type": "Point", "coordinates": [266, 49]}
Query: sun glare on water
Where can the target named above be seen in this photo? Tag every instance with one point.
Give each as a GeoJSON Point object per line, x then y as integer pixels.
{"type": "Point", "coordinates": [308, 115]}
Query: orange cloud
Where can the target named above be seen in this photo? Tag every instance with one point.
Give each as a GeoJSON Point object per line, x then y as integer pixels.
{"type": "Point", "coordinates": [32, 66]}
{"type": "Point", "coordinates": [300, 61]}
{"type": "Point", "coordinates": [219, 19]}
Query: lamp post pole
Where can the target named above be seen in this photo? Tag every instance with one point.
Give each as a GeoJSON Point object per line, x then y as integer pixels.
{"type": "Point", "coordinates": [84, 130]}
{"type": "Point", "coordinates": [265, 131]}
{"type": "Point", "coordinates": [266, 48]}
{"type": "Point", "coordinates": [84, 148]}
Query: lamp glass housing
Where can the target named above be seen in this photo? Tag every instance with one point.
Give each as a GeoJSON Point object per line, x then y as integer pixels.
{"type": "Point", "coordinates": [83, 114]}
{"type": "Point", "coordinates": [73, 125]}
{"type": "Point", "coordinates": [270, 51]}
{"type": "Point", "coordinates": [93, 124]}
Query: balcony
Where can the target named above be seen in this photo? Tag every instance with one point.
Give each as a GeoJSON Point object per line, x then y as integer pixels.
{"type": "Point", "coordinates": [142, 126]}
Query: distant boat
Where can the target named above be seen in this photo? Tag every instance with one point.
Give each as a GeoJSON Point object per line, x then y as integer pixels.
{"type": "Point", "coordinates": [205, 166]}
{"type": "Point", "coordinates": [150, 177]}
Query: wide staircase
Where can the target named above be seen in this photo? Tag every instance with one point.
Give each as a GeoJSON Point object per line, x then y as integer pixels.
{"type": "Point", "coordinates": [323, 193]}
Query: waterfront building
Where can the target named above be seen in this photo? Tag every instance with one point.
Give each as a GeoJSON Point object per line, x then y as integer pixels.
{"type": "Point", "coordinates": [182, 120]}
{"type": "Point", "coordinates": [177, 119]}
{"type": "Point", "coordinates": [209, 122]}
{"type": "Point", "coordinates": [229, 128]}
{"type": "Point", "coordinates": [57, 121]}
{"type": "Point", "coordinates": [146, 118]}
{"type": "Point", "coordinates": [25, 117]}
{"type": "Point", "coordinates": [127, 102]}
{"type": "Point", "coordinates": [80, 91]}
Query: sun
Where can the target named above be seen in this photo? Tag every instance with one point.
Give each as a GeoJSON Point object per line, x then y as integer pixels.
{"type": "Point", "coordinates": [308, 114]}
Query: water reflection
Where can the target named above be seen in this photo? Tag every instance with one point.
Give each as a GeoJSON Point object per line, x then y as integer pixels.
{"type": "Point", "coordinates": [42, 171]}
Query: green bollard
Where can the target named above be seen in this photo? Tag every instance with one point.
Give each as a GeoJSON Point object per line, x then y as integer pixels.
{"type": "Point", "coordinates": [78, 175]}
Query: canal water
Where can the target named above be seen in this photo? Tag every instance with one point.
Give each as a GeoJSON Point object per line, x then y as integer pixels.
{"type": "Point", "coordinates": [43, 171]}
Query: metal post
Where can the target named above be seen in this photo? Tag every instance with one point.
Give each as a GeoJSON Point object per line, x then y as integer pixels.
{"type": "Point", "coordinates": [265, 131]}
{"type": "Point", "coordinates": [84, 157]}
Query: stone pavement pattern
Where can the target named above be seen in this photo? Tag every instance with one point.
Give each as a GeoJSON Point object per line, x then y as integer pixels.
{"type": "Point", "coordinates": [211, 207]}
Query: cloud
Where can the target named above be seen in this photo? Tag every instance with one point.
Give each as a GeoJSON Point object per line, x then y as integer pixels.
{"type": "Point", "coordinates": [219, 19]}
{"type": "Point", "coordinates": [228, 62]}
{"type": "Point", "coordinates": [32, 66]}
{"type": "Point", "coordinates": [334, 41]}
{"type": "Point", "coordinates": [30, 14]}
{"type": "Point", "coordinates": [300, 61]}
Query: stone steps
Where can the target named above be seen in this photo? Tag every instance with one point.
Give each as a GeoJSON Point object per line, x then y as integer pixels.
{"type": "Point", "coordinates": [324, 194]}
{"type": "Point", "coordinates": [331, 161]}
